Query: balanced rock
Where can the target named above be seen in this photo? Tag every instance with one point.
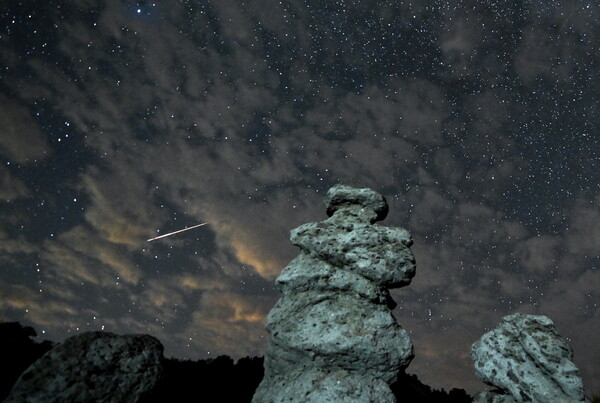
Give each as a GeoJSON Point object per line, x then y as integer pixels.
{"type": "Point", "coordinates": [525, 358]}
{"type": "Point", "coordinates": [333, 337]}
{"type": "Point", "coordinates": [93, 367]}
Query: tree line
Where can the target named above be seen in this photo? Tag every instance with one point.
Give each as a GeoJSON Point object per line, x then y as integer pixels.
{"type": "Point", "coordinates": [211, 380]}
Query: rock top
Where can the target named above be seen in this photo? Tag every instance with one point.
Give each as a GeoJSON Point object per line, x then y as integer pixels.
{"type": "Point", "coordinates": [333, 337]}
{"type": "Point", "coordinates": [346, 197]}
{"type": "Point", "coordinates": [528, 361]}
{"type": "Point", "coordinates": [93, 367]}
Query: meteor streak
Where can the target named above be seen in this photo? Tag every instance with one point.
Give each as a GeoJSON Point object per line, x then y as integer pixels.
{"type": "Point", "coordinates": [176, 232]}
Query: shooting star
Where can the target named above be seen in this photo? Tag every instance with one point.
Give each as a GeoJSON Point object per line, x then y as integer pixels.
{"type": "Point", "coordinates": [177, 232]}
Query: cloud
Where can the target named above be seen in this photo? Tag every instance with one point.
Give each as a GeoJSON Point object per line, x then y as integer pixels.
{"type": "Point", "coordinates": [430, 210]}
{"type": "Point", "coordinates": [15, 245]}
{"type": "Point", "coordinates": [583, 234]}
{"type": "Point", "coordinates": [553, 48]}
{"type": "Point", "coordinates": [23, 303]}
{"type": "Point", "coordinates": [539, 254]}
{"type": "Point", "coordinates": [443, 357]}
{"type": "Point", "coordinates": [121, 205]}
{"type": "Point", "coordinates": [20, 138]}
{"type": "Point", "coordinates": [231, 324]}
{"type": "Point", "coordinates": [249, 253]}
{"type": "Point", "coordinates": [461, 37]}
{"type": "Point", "coordinates": [448, 166]}
{"type": "Point", "coordinates": [79, 255]}
{"type": "Point", "coordinates": [11, 188]}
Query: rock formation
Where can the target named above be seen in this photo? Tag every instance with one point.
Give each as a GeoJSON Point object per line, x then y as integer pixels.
{"type": "Point", "coordinates": [333, 337]}
{"type": "Point", "coordinates": [527, 360]}
{"type": "Point", "coordinates": [93, 367]}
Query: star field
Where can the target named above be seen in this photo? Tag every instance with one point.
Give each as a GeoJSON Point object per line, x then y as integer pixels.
{"type": "Point", "coordinates": [122, 120]}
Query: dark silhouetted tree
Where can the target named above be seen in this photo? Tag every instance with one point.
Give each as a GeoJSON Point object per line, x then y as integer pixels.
{"type": "Point", "coordinates": [18, 351]}
{"type": "Point", "coordinates": [408, 388]}
{"type": "Point", "coordinates": [214, 380]}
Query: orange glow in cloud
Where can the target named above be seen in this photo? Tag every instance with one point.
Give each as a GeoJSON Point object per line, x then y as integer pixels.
{"type": "Point", "coordinates": [190, 282]}
{"type": "Point", "coordinates": [243, 313]}
{"type": "Point", "coordinates": [193, 282]}
{"type": "Point", "coordinates": [429, 351]}
{"type": "Point", "coordinates": [127, 271]}
{"type": "Point", "coordinates": [246, 254]}
{"type": "Point", "coordinates": [124, 232]}
{"type": "Point", "coordinates": [233, 308]}
{"type": "Point", "coordinates": [159, 300]}
{"type": "Point", "coordinates": [38, 311]}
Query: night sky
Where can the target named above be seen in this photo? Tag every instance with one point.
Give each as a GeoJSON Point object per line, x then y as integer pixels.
{"type": "Point", "coordinates": [122, 120]}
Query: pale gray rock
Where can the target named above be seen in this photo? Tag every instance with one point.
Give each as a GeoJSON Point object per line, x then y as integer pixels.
{"type": "Point", "coordinates": [333, 337]}
{"type": "Point", "coordinates": [317, 385]}
{"type": "Point", "coordinates": [365, 199]}
{"type": "Point", "coordinates": [493, 396]}
{"type": "Point", "coordinates": [528, 361]}
{"type": "Point", "coordinates": [93, 367]}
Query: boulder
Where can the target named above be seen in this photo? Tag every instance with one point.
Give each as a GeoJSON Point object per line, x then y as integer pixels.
{"type": "Point", "coordinates": [526, 359]}
{"type": "Point", "coordinates": [93, 367]}
{"type": "Point", "coordinates": [333, 337]}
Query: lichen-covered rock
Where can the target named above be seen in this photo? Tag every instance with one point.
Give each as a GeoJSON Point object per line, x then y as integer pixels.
{"type": "Point", "coordinates": [346, 197]}
{"type": "Point", "coordinates": [318, 385]}
{"type": "Point", "coordinates": [333, 337]}
{"type": "Point", "coordinates": [527, 360]}
{"type": "Point", "coordinates": [93, 367]}
{"type": "Point", "coordinates": [493, 396]}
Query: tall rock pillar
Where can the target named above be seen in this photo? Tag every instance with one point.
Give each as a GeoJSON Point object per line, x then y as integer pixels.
{"type": "Point", "coordinates": [333, 337]}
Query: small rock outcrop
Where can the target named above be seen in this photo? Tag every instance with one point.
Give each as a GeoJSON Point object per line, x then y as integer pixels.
{"type": "Point", "coordinates": [525, 358]}
{"type": "Point", "coordinates": [333, 337]}
{"type": "Point", "coordinates": [93, 367]}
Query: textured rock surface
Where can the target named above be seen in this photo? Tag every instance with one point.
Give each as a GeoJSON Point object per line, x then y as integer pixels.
{"type": "Point", "coordinates": [527, 360]}
{"type": "Point", "coordinates": [333, 337]}
{"type": "Point", "coordinates": [93, 367]}
{"type": "Point", "coordinates": [493, 396]}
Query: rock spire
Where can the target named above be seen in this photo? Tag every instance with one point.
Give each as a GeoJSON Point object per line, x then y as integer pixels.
{"type": "Point", "coordinates": [333, 337]}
